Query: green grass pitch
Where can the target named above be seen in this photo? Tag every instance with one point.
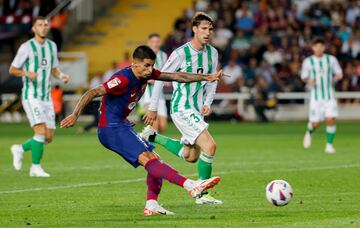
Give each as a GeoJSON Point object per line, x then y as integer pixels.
{"type": "Point", "coordinates": [93, 187]}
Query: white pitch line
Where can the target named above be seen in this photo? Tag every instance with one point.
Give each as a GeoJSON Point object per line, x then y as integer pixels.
{"type": "Point", "coordinates": [143, 179]}
{"type": "Point", "coordinates": [73, 186]}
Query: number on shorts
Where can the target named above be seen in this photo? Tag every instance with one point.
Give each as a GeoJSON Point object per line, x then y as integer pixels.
{"type": "Point", "coordinates": [37, 112]}
{"type": "Point", "coordinates": [197, 119]}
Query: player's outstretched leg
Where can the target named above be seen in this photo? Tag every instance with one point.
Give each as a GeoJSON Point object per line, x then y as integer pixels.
{"type": "Point", "coordinates": [158, 169]}
{"type": "Point", "coordinates": [152, 206]}
{"type": "Point", "coordinates": [172, 145]}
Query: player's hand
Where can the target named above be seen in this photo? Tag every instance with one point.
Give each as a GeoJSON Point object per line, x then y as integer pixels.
{"type": "Point", "coordinates": [69, 121]}
{"type": "Point", "coordinates": [338, 77]}
{"type": "Point", "coordinates": [205, 110]}
{"type": "Point", "coordinates": [216, 76]}
{"type": "Point", "coordinates": [150, 117]}
{"type": "Point", "coordinates": [311, 83]}
{"type": "Point", "coordinates": [31, 75]}
{"type": "Point", "coordinates": [64, 78]}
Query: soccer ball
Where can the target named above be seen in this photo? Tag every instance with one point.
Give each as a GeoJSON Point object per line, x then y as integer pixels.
{"type": "Point", "coordinates": [279, 192]}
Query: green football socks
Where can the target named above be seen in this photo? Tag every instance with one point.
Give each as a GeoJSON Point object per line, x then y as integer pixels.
{"type": "Point", "coordinates": [36, 145]}
{"type": "Point", "coordinates": [205, 166]}
{"type": "Point", "coordinates": [330, 134]}
{"type": "Point", "coordinates": [172, 145]}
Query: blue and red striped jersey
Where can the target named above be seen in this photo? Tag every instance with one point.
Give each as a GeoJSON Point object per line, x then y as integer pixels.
{"type": "Point", "coordinates": [123, 91]}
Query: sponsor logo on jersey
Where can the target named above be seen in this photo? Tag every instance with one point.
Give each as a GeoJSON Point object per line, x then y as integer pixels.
{"type": "Point", "coordinates": [112, 83]}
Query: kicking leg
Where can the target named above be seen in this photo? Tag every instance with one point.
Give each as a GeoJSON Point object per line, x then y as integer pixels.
{"type": "Point", "coordinates": [161, 170]}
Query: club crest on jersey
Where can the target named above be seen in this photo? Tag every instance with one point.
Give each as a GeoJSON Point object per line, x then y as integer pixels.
{"type": "Point", "coordinates": [43, 62]}
{"type": "Point", "coordinates": [131, 105]}
{"type": "Point", "coordinates": [112, 83]}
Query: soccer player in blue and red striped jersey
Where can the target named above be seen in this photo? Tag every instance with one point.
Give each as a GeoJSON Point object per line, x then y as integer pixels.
{"type": "Point", "coordinates": [120, 95]}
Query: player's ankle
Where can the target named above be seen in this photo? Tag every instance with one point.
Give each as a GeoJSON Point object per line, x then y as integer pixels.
{"type": "Point", "coordinates": [188, 184]}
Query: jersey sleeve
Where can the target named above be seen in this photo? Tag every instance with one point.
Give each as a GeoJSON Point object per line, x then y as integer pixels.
{"type": "Point", "coordinates": [335, 66]}
{"type": "Point", "coordinates": [305, 70]}
{"type": "Point", "coordinates": [155, 74]}
{"type": "Point", "coordinates": [56, 59]}
{"type": "Point", "coordinates": [116, 85]}
{"type": "Point", "coordinates": [173, 63]}
{"type": "Point", "coordinates": [211, 86]}
{"type": "Point", "coordinates": [20, 57]}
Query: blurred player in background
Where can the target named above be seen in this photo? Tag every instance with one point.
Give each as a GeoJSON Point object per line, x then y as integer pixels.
{"type": "Point", "coordinates": [120, 94]}
{"type": "Point", "coordinates": [190, 102]}
{"type": "Point", "coordinates": [35, 62]}
{"type": "Point", "coordinates": [160, 123]}
{"type": "Point", "coordinates": [318, 71]}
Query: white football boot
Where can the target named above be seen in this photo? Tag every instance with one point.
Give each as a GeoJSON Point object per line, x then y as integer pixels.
{"type": "Point", "coordinates": [307, 140]}
{"type": "Point", "coordinates": [147, 132]}
{"type": "Point", "coordinates": [207, 199]}
{"type": "Point", "coordinates": [157, 210]}
{"type": "Point", "coordinates": [17, 153]}
{"type": "Point", "coordinates": [37, 171]}
{"type": "Point", "coordinates": [329, 149]}
{"type": "Point", "coordinates": [202, 185]}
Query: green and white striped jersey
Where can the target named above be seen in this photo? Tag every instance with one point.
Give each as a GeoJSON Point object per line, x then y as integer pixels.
{"type": "Point", "coordinates": [160, 61]}
{"type": "Point", "coordinates": [322, 71]}
{"type": "Point", "coordinates": [195, 94]}
{"type": "Point", "coordinates": [40, 58]}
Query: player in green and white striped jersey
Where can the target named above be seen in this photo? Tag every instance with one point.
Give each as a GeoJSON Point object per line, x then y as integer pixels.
{"type": "Point", "coordinates": [190, 102]}
{"type": "Point", "coordinates": [160, 123]}
{"type": "Point", "coordinates": [318, 71]}
{"type": "Point", "coordinates": [35, 62]}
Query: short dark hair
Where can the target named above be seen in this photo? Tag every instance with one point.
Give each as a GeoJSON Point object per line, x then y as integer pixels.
{"type": "Point", "coordinates": [201, 16]}
{"type": "Point", "coordinates": [39, 18]}
{"type": "Point", "coordinates": [318, 40]}
{"type": "Point", "coordinates": [144, 52]}
{"type": "Point", "coordinates": [154, 34]}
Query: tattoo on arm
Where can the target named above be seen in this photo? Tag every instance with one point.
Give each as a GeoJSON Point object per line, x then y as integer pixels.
{"type": "Point", "coordinates": [181, 77]}
{"type": "Point", "coordinates": [87, 97]}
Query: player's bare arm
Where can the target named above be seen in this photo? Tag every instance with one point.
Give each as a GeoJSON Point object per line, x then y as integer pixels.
{"type": "Point", "coordinates": [189, 77]}
{"type": "Point", "coordinates": [16, 72]}
{"type": "Point", "coordinates": [71, 119]}
{"type": "Point", "coordinates": [60, 75]}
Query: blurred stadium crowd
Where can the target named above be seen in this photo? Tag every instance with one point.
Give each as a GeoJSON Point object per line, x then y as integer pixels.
{"type": "Point", "coordinates": [262, 43]}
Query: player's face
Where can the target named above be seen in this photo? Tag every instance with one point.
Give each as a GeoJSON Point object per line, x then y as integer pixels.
{"type": "Point", "coordinates": [154, 43]}
{"type": "Point", "coordinates": [41, 28]}
{"type": "Point", "coordinates": [318, 49]}
{"type": "Point", "coordinates": [143, 68]}
{"type": "Point", "coordinates": [203, 32]}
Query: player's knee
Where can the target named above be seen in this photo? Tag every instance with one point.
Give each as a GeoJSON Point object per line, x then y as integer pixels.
{"type": "Point", "coordinates": [191, 159]}
{"type": "Point", "coordinates": [330, 122]}
{"type": "Point", "coordinates": [210, 149]}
